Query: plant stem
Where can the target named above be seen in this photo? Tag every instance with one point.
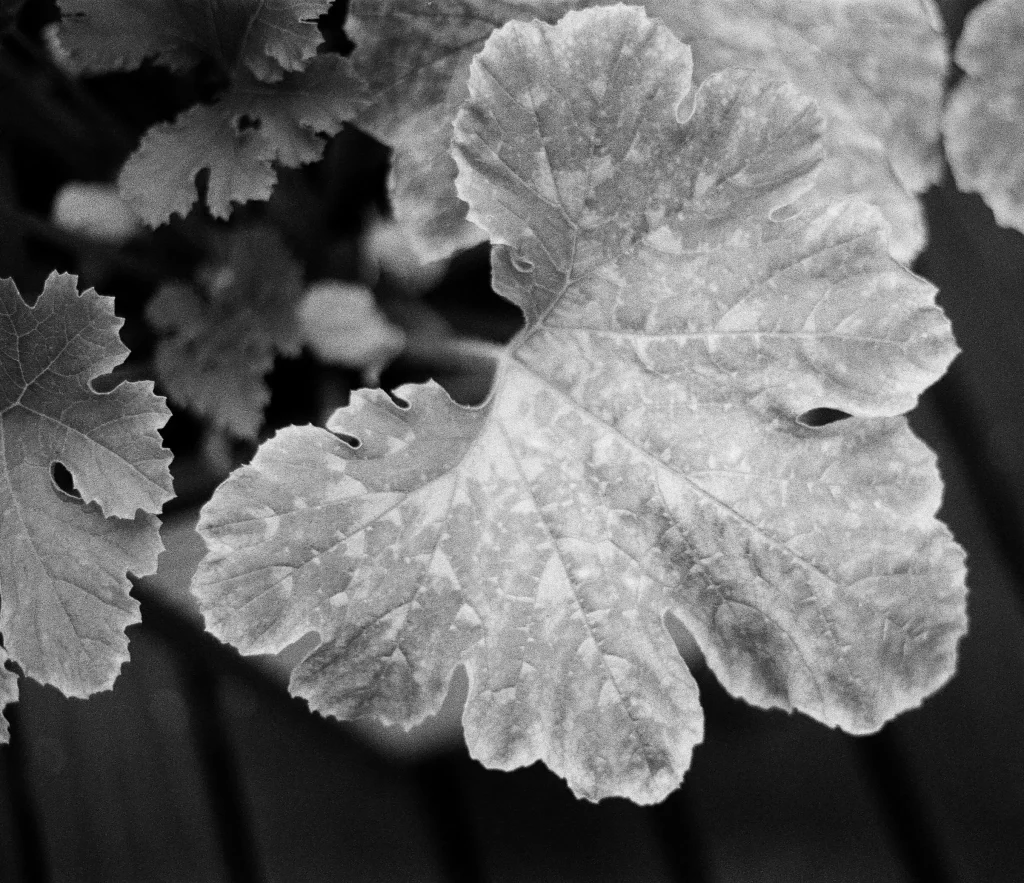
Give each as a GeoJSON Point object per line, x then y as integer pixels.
{"type": "Point", "coordinates": [452, 350]}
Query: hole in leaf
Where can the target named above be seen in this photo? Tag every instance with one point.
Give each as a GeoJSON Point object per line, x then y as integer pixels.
{"type": "Point", "coordinates": [246, 123]}
{"type": "Point", "coordinates": [350, 440]}
{"type": "Point", "coordinates": [63, 481]}
{"type": "Point", "coordinates": [821, 417]}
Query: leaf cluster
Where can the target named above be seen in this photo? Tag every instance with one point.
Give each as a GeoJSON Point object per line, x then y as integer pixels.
{"type": "Point", "coordinates": [703, 213]}
{"type": "Point", "coordinates": [280, 96]}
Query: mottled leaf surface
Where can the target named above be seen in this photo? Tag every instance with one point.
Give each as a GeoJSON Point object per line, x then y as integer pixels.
{"type": "Point", "coordinates": [984, 123]}
{"type": "Point", "coordinates": [642, 452]}
{"type": "Point", "coordinates": [223, 332]}
{"type": "Point", "coordinates": [8, 695]}
{"type": "Point", "coordinates": [265, 37]}
{"type": "Point", "coordinates": [238, 139]}
{"type": "Point", "coordinates": [64, 602]}
{"type": "Point", "coordinates": [876, 67]}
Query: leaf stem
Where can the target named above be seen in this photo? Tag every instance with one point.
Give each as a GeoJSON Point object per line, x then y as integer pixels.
{"type": "Point", "coordinates": [451, 350]}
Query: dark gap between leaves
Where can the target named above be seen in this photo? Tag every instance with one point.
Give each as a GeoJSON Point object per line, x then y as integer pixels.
{"type": "Point", "coordinates": [912, 831]}
{"type": "Point", "coordinates": [32, 847]}
{"type": "Point", "coordinates": [219, 761]}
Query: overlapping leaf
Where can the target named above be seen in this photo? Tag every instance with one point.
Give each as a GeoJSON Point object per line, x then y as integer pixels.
{"type": "Point", "coordinates": [411, 62]}
{"type": "Point", "coordinates": [223, 334]}
{"type": "Point", "coordinates": [238, 139]}
{"type": "Point", "coordinates": [64, 602]}
{"type": "Point", "coordinates": [642, 451]}
{"type": "Point", "coordinates": [984, 122]}
{"type": "Point", "coordinates": [876, 67]}
{"type": "Point", "coordinates": [265, 37]}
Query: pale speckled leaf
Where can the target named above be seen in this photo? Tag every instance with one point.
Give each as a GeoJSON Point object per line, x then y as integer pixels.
{"type": "Point", "coordinates": [238, 139]}
{"type": "Point", "coordinates": [222, 334]}
{"type": "Point", "coordinates": [984, 122]}
{"type": "Point", "coordinates": [876, 67]}
{"type": "Point", "coordinates": [64, 602]}
{"type": "Point", "coordinates": [687, 301]}
{"type": "Point", "coordinates": [265, 37]}
{"type": "Point", "coordinates": [8, 695]}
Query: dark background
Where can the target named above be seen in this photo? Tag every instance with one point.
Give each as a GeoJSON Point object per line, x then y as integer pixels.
{"type": "Point", "coordinates": [199, 767]}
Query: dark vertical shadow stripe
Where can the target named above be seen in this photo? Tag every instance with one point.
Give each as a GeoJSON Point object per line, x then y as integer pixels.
{"type": "Point", "coordinates": [34, 862]}
{"type": "Point", "coordinates": [906, 821]}
{"type": "Point", "coordinates": [218, 763]}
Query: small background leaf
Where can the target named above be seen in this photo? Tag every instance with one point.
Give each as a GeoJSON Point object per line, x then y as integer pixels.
{"type": "Point", "coordinates": [95, 210]}
{"type": "Point", "coordinates": [342, 324]}
{"type": "Point", "coordinates": [265, 37]}
{"type": "Point", "coordinates": [237, 139]}
{"type": "Point", "coordinates": [64, 600]}
{"type": "Point", "coordinates": [223, 332]}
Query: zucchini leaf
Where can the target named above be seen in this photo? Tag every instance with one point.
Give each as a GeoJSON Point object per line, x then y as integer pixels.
{"type": "Point", "coordinates": [648, 448]}
{"type": "Point", "coordinates": [64, 557]}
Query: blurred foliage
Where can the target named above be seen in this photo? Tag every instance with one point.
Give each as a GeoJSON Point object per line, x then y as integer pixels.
{"type": "Point", "coordinates": [57, 130]}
